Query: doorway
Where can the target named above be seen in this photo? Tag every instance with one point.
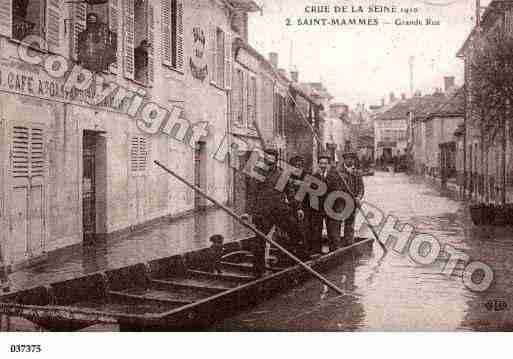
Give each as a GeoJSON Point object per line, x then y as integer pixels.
{"type": "Point", "coordinates": [200, 174]}
{"type": "Point", "coordinates": [89, 182]}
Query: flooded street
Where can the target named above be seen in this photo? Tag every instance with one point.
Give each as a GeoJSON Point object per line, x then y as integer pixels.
{"type": "Point", "coordinates": [397, 293]}
{"type": "Point", "coordinates": [390, 293]}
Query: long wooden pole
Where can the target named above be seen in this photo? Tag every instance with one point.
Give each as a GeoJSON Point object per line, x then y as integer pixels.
{"type": "Point", "coordinates": [252, 228]}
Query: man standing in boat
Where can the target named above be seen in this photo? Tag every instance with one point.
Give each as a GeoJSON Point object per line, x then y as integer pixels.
{"type": "Point", "coordinates": [351, 177]}
{"type": "Point", "coordinates": [270, 208]}
{"type": "Point", "coordinates": [331, 178]}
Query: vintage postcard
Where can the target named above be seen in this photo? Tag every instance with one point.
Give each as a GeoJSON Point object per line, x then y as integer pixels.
{"type": "Point", "coordinates": [255, 165]}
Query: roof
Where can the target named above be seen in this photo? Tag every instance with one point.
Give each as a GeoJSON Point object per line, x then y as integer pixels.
{"type": "Point", "coordinates": [422, 107]}
{"type": "Point", "coordinates": [425, 105]}
{"type": "Point", "coordinates": [454, 106]}
{"type": "Point", "coordinates": [488, 18]}
{"type": "Point", "coordinates": [240, 43]}
{"type": "Point", "coordinates": [245, 5]}
{"type": "Point", "coordinates": [319, 90]}
{"type": "Point", "coordinates": [397, 111]}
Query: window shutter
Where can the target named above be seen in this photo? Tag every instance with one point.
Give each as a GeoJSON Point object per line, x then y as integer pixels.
{"type": "Point", "coordinates": [143, 154]}
{"type": "Point", "coordinates": [228, 61]}
{"type": "Point", "coordinates": [53, 16]}
{"type": "Point", "coordinates": [139, 154]}
{"type": "Point", "coordinates": [508, 26]}
{"type": "Point", "coordinates": [28, 159]}
{"type": "Point", "coordinates": [79, 25]}
{"type": "Point", "coordinates": [179, 35]}
{"type": "Point", "coordinates": [213, 53]}
{"type": "Point", "coordinates": [6, 18]}
{"type": "Point", "coordinates": [249, 106]}
{"type": "Point", "coordinates": [37, 157]}
{"type": "Point", "coordinates": [129, 39]}
{"type": "Point", "coordinates": [134, 154]}
{"type": "Point", "coordinates": [21, 152]}
{"type": "Point", "coordinates": [151, 39]}
{"type": "Point", "coordinates": [254, 99]}
{"type": "Point", "coordinates": [165, 36]}
{"type": "Point", "coordinates": [114, 27]}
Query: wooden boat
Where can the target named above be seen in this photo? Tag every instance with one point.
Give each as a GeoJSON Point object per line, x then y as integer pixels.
{"type": "Point", "coordinates": [174, 293]}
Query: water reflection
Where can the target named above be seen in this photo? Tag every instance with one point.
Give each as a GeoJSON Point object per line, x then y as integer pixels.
{"type": "Point", "coordinates": [397, 293]}
{"type": "Point", "coordinates": [165, 239]}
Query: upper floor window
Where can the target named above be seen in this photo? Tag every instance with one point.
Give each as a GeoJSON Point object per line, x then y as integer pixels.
{"type": "Point", "coordinates": [94, 32]}
{"type": "Point", "coordinates": [280, 109]}
{"type": "Point", "coordinates": [21, 18]}
{"type": "Point", "coordinates": [27, 18]}
{"type": "Point", "coordinates": [172, 33]}
{"type": "Point", "coordinates": [220, 66]}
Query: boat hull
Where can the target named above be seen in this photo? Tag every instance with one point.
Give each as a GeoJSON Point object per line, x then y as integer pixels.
{"type": "Point", "coordinates": [66, 306]}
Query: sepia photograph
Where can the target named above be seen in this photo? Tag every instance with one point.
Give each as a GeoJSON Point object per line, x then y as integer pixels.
{"type": "Point", "coordinates": [255, 166]}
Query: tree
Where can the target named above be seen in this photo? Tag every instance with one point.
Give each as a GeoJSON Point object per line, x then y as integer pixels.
{"type": "Point", "coordinates": [492, 90]}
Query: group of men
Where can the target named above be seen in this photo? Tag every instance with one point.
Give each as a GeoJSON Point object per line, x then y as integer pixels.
{"type": "Point", "coordinates": [302, 219]}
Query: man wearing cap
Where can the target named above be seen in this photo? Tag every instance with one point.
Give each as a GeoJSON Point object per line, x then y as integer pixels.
{"type": "Point", "coordinates": [330, 177]}
{"type": "Point", "coordinates": [351, 176]}
{"type": "Point", "coordinates": [270, 208]}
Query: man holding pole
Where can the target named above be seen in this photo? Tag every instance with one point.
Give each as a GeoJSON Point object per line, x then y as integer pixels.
{"type": "Point", "coordinates": [351, 177]}
{"type": "Point", "coordinates": [270, 208]}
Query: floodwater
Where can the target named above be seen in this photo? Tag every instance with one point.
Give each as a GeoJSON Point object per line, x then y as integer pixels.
{"type": "Point", "coordinates": [384, 293]}
{"type": "Point", "coordinates": [395, 293]}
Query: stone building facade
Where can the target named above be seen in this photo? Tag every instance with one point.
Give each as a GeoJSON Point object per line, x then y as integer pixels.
{"type": "Point", "coordinates": [77, 162]}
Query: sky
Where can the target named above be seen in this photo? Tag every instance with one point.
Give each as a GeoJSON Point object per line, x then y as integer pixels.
{"type": "Point", "coordinates": [363, 64]}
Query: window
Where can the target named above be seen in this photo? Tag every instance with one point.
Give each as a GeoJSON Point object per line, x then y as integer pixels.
{"type": "Point", "coordinates": [279, 114]}
{"type": "Point", "coordinates": [138, 154]}
{"type": "Point", "coordinates": [27, 18]}
{"type": "Point", "coordinates": [21, 18]}
{"type": "Point", "coordinates": [238, 99]}
{"type": "Point", "coordinates": [220, 57]}
{"type": "Point", "coordinates": [90, 22]}
{"type": "Point", "coordinates": [172, 33]}
{"type": "Point", "coordinates": [220, 67]}
{"type": "Point", "coordinates": [143, 36]}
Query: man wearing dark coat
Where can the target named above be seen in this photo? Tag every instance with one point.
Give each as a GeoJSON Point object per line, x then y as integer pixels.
{"type": "Point", "coordinates": [327, 174]}
{"type": "Point", "coordinates": [270, 207]}
{"type": "Point", "coordinates": [351, 177]}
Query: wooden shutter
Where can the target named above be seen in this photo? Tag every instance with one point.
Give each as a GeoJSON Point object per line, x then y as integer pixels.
{"type": "Point", "coordinates": [28, 167]}
{"type": "Point", "coordinates": [179, 35]}
{"type": "Point", "coordinates": [79, 25]}
{"type": "Point", "coordinates": [165, 35]}
{"type": "Point", "coordinates": [150, 30]}
{"type": "Point", "coordinates": [134, 154]}
{"type": "Point", "coordinates": [6, 18]}
{"type": "Point", "coordinates": [508, 26]}
{"type": "Point", "coordinates": [53, 18]}
{"type": "Point", "coordinates": [213, 52]}
{"type": "Point", "coordinates": [139, 154]}
{"type": "Point", "coordinates": [114, 27]}
{"type": "Point", "coordinates": [20, 152]}
{"type": "Point", "coordinates": [228, 61]}
{"type": "Point", "coordinates": [129, 38]}
{"type": "Point", "coordinates": [249, 103]}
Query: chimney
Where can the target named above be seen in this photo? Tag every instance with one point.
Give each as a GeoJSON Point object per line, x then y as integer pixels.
{"type": "Point", "coordinates": [240, 24]}
{"type": "Point", "coordinates": [392, 97]}
{"type": "Point", "coordinates": [448, 83]}
{"type": "Point", "coordinates": [294, 75]}
{"type": "Point", "coordinates": [273, 59]}
{"type": "Point", "coordinates": [403, 96]}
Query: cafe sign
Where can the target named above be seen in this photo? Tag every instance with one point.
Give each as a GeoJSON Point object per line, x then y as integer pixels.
{"type": "Point", "coordinates": [29, 80]}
